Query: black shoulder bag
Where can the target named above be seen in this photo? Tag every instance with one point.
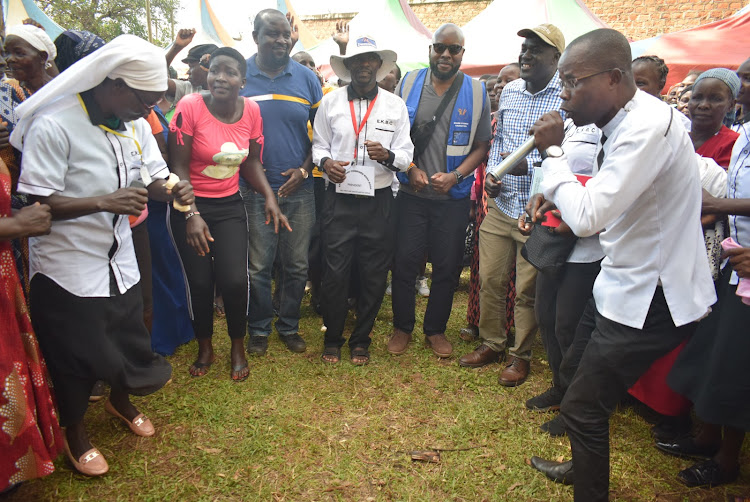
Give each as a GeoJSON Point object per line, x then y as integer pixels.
{"type": "Point", "coordinates": [421, 133]}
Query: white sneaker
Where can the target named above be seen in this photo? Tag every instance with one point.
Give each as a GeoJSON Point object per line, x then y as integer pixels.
{"type": "Point", "coordinates": [389, 289]}
{"type": "Point", "coordinates": [421, 286]}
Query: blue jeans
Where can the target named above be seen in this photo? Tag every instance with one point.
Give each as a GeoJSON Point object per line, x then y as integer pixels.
{"type": "Point", "coordinates": [292, 247]}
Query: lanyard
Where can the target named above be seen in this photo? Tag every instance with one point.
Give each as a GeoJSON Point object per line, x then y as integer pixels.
{"type": "Point", "coordinates": [357, 130]}
{"type": "Point", "coordinates": [145, 175]}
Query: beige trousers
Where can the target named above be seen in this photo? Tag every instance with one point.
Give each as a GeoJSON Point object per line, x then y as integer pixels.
{"type": "Point", "coordinates": [500, 244]}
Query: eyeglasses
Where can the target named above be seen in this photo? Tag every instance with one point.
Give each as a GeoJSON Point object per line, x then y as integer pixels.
{"type": "Point", "coordinates": [454, 49]}
{"type": "Point", "coordinates": [143, 103]}
{"type": "Point", "coordinates": [572, 82]}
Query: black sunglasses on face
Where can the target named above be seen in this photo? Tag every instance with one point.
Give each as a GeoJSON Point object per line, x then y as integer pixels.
{"type": "Point", "coordinates": [140, 99]}
{"type": "Point", "coordinates": [454, 49]}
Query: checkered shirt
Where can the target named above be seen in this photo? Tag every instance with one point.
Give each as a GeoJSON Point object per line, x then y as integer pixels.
{"type": "Point", "coordinates": [519, 109]}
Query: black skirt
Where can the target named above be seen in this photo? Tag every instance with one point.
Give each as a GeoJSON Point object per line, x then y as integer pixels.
{"type": "Point", "coordinates": [712, 370]}
{"type": "Point", "coordinates": [88, 339]}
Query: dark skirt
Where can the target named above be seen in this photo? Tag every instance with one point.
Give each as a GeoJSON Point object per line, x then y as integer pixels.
{"type": "Point", "coordinates": [90, 339]}
{"type": "Point", "coordinates": [171, 325]}
{"type": "Point", "coordinates": [712, 370]}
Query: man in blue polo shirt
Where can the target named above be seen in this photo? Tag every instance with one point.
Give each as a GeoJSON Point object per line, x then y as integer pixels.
{"type": "Point", "coordinates": [288, 95]}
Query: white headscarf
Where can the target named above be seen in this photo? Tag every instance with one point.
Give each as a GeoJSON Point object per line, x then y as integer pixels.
{"type": "Point", "coordinates": [140, 64]}
{"type": "Point", "coordinates": [36, 37]}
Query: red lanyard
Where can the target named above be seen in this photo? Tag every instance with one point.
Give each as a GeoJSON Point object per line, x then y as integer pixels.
{"type": "Point", "coordinates": [357, 130]}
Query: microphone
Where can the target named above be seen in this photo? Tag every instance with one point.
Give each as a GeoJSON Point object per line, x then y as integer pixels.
{"type": "Point", "coordinates": [511, 160]}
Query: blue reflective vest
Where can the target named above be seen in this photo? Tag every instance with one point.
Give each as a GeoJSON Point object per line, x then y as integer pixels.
{"type": "Point", "coordinates": [463, 126]}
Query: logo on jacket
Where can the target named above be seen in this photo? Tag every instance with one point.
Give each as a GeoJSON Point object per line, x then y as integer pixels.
{"type": "Point", "coordinates": [462, 111]}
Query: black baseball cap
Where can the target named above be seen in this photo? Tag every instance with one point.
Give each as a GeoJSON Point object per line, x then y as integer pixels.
{"type": "Point", "coordinates": [197, 51]}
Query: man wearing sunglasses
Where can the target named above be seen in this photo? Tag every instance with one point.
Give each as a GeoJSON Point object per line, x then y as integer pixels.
{"type": "Point", "coordinates": [524, 101]}
{"type": "Point", "coordinates": [450, 128]}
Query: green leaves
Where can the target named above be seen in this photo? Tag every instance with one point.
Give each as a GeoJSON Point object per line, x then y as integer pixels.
{"type": "Point", "coordinates": [110, 18]}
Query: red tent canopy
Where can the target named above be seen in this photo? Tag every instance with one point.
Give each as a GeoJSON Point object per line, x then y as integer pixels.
{"type": "Point", "coordinates": [717, 44]}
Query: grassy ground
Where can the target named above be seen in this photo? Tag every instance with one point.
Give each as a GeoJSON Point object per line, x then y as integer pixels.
{"type": "Point", "coordinates": [299, 430]}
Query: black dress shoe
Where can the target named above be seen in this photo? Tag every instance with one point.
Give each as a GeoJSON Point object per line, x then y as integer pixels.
{"type": "Point", "coordinates": [670, 429]}
{"type": "Point", "coordinates": [559, 472]}
{"type": "Point", "coordinates": [554, 427]}
{"type": "Point", "coordinates": [294, 342]}
{"type": "Point", "coordinates": [706, 473]}
{"type": "Point", "coordinates": [257, 345]}
{"type": "Point", "coordinates": [549, 400]}
{"type": "Point", "coordinates": [687, 448]}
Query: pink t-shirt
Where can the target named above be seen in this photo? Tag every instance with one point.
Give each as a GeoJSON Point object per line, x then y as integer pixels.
{"type": "Point", "coordinates": [218, 148]}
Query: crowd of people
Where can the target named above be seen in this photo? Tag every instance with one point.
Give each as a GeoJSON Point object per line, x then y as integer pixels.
{"type": "Point", "coordinates": [137, 208]}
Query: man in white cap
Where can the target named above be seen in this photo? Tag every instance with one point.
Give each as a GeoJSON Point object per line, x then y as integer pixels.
{"type": "Point", "coordinates": [84, 143]}
{"type": "Point", "coordinates": [361, 137]}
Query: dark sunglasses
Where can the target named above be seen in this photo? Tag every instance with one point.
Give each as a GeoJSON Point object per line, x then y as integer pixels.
{"type": "Point", "coordinates": [143, 103]}
{"type": "Point", "coordinates": [454, 49]}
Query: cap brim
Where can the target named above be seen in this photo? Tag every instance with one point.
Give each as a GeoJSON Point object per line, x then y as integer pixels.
{"type": "Point", "coordinates": [528, 31]}
{"type": "Point", "coordinates": [389, 63]}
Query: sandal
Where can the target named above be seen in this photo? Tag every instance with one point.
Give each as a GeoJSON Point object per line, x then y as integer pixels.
{"type": "Point", "coordinates": [236, 370]}
{"type": "Point", "coordinates": [199, 369]}
{"type": "Point", "coordinates": [333, 352]}
{"type": "Point", "coordinates": [219, 310]}
{"type": "Point", "coordinates": [360, 353]}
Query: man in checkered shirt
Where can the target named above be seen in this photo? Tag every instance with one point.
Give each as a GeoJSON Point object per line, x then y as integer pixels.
{"type": "Point", "coordinates": [523, 102]}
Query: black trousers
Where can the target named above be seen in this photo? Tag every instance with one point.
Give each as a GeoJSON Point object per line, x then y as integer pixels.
{"type": "Point", "coordinates": [225, 266]}
{"type": "Point", "coordinates": [315, 254]}
{"type": "Point", "coordinates": [560, 301]}
{"type": "Point", "coordinates": [86, 339]}
{"type": "Point", "coordinates": [614, 358]}
{"type": "Point", "coordinates": [360, 227]}
{"type": "Point", "coordinates": [437, 227]}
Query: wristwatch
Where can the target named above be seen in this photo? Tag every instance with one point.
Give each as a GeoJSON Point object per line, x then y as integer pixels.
{"type": "Point", "coordinates": [305, 174]}
{"type": "Point", "coordinates": [553, 151]}
{"type": "Point", "coordinates": [459, 177]}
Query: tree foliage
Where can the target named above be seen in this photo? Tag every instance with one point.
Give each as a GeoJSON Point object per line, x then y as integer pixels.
{"type": "Point", "coordinates": [110, 18]}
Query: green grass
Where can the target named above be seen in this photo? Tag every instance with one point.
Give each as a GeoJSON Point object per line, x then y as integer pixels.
{"type": "Point", "coordinates": [300, 430]}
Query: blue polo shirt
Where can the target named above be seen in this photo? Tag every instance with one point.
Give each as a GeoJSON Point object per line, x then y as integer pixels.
{"type": "Point", "coordinates": [286, 102]}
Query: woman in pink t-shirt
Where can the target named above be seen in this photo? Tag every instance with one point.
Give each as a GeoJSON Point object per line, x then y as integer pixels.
{"type": "Point", "coordinates": [216, 136]}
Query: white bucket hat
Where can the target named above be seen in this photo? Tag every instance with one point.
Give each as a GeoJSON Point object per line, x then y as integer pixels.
{"type": "Point", "coordinates": [363, 45]}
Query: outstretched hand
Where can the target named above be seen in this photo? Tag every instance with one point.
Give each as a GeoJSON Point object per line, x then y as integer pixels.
{"type": "Point", "coordinates": [341, 36]}
{"type": "Point", "coordinates": [295, 28]}
{"type": "Point", "coordinates": [184, 37]}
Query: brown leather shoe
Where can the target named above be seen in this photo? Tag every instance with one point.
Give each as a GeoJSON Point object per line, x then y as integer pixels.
{"type": "Point", "coordinates": [482, 356]}
{"type": "Point", "coordinates": [399, 342]}
{"type": "Point", "coordinates": [515, 373]}
{"type": "Point", "coordinates": [439, 345]}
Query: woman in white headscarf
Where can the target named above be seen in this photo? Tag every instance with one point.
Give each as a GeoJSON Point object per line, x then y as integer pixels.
{"type": "Point", "coordinates": [28, 52]}
{"type": "Point", "coordinates": [84, 144]}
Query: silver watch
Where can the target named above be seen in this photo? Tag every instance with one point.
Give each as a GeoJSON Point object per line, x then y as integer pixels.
{"type": "Point", "coordinates": [553, 151]}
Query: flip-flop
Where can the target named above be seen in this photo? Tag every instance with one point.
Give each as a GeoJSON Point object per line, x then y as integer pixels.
{"type": "Point", "coordinates": [331, 351]}
{"type": "Point", "coordinates": [199, 366]}
{"type": "Point", "coordinates": [237, 369]}
{"type": "Point", "coordinates": [362, 353]}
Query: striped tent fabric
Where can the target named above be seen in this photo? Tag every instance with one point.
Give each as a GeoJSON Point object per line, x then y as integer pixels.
{"type": "Point", "coordinates": [393, 25]}
{"type": "Point", "coordinates": [492, 40]}
{"type": "Point", "coordinates": [15, 11]}
{"type": "Point", "coordinates": [707, 46]}
{"type": "Point", "coordinates": [306, 37]}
